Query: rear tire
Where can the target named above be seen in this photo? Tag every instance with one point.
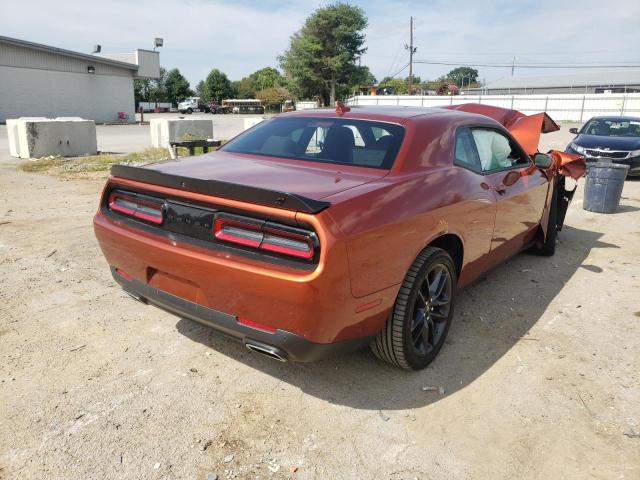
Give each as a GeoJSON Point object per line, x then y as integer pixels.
{"type": "Point", "coordinates": [189, 110]}
{"type": "Point", "coordinates": [422, 314]}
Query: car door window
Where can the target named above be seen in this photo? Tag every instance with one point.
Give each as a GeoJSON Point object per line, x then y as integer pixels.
{"type": "Point", "coordinates": [357, 137]}
{"type": "Point", "coordinates": [316, 142]}
{"type": "Point", "coordinates": [465, 152]}
{"type": "Point", "coordinates": [496, 151]}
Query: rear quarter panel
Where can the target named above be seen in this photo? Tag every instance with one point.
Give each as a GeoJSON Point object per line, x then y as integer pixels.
{"type": "Point", "coordinates": [388, 222]}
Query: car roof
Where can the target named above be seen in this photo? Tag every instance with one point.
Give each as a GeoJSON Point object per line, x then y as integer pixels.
{"type": "Point", "coordinates": [397, 114]}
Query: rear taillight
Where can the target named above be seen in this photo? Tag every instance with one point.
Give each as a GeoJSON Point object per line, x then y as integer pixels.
{"type": "Point", "coordinates": [236, 231]}
{"type": "Point", "coordinates": [294, 242]}
{"type": "Point", "coordinates": [288, 243]}
{"type": "Point", "coordinates": [136, 206]}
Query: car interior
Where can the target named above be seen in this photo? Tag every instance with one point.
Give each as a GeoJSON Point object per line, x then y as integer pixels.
{"type": "Point", "coordinates": [486, 150]}
{"type": "Point", "coordinates": [612, 128]}
{"type": "Point", "coordinates": [357, 142]}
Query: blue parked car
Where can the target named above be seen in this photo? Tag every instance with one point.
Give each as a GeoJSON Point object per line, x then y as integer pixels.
{"type": "Point", "coordinates": [609, 139]}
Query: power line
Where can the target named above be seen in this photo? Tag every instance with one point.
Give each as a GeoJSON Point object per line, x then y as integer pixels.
{"type": "Point", "coordinates": [526, 65]}
{"type": "Point", "coordinates": [399, 71]}
{"type": "Point", "coordinates": [530, 54]}
{"type": "Point", "coordinates": [395, 60]}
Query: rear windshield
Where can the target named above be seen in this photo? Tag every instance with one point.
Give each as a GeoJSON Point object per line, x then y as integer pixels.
{"type": "Point", "coordinates": [332, 140]}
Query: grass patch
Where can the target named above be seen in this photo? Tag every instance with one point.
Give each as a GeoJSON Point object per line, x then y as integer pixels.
{"type": "Point", "coordinates": [93, 163]}
{"type": "Point", "coordinates": [41, 164]}
{"type": "Point", "coordinates": [97, 166]}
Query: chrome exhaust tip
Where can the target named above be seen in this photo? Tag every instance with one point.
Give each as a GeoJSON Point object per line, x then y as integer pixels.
{"type": "Point", "coordinates": [266, 350]}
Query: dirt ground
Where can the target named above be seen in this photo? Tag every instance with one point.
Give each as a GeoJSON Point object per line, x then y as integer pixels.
{"type": "Point", "coordinates": [539, 375]}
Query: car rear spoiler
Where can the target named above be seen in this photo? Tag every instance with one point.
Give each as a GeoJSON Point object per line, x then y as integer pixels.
{"type": "Point", "coordinates": [233, 191]}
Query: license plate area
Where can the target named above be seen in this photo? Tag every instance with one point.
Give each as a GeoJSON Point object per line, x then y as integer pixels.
{"type": "Point", "coordinates": [176, 286]}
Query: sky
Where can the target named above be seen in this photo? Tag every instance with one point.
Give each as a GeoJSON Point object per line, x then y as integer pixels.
{"type": "Point", "coordinates": [240, 37]}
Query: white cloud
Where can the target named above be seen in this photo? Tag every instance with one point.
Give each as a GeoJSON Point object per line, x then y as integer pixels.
{"type": "Point", "coordinates": [240, 37]}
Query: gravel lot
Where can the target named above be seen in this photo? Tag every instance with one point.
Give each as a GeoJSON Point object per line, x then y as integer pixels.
{"type": "Point", "coordinates": [539, 376]}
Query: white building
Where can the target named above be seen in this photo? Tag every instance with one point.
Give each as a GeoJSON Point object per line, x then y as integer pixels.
{"type": "Point", "coordinates": [42, 81]}
{"type": "Point", "coordinates": [615, 81]}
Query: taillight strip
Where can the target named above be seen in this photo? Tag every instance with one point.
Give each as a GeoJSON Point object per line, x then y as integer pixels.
{"type": "Point", "coordinates": [137, 207]}
{"type": "Point", "coordinates": [247, 234]}
{"type": "Point", "coordinates": [266, 236]}
{"type": "Point", "coordinates": [287, 243]}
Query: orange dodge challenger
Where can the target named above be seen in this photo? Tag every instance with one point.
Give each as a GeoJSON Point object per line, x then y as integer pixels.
{"type": "Point", "coordinates": [317, 232]}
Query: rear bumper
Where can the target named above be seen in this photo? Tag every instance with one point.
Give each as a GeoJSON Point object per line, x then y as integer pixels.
{"type": "Point", "coordinates": [316, 305]}
{"type": "Point", "coordinates": [281, 345]}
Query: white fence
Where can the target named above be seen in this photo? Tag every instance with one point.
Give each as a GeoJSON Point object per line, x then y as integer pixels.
{"type": "Point", "coordinates": [306, 105]}
{"type": "Point", "coordinates": [561, 107]}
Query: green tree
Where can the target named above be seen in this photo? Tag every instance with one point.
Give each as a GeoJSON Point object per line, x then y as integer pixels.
{"type": "Point", "coordinates": [216, 87]}
{"type": "Point", "coordinates": [416, 80]}
{"type": "Point", "coordinates": [361, 75]}
{"type": "Point", "coordinates": [267, 77]}
{"type": "Point", "coordinates": [177, 86]}
{"type": "Point", "coordinates": [322, 55]}
{"type": "Point", "coordinates": [141, 90]}
{"type": "Point", "coordinates": [433, 85]}
{"type": "Point", "coordinates": [274, 96]}
{"type": "Point", "coordinates": [470, 75]}
{"type": "Point", "coordinates": [158, 88]}
{"type": "Point", "coordinates": [398, 84]}
{"type": "Point", "coordinates": [245, 88]}
{"type": "Point", "coordinates": [262, 79]}
{"type": "Point", "coordinates": [200, 89]}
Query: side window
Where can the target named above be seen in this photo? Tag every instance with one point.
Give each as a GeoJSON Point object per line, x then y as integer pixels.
{"type": "Point", "coordinates": [357, 138]}
{"type": "Point", "coordinates": [378, 132]}
{"type": "Point", "coordinates": [495, 150]}
{"type": "Point", "coordinates": [317, 141]}
{"type": "Point", "coordinates": [465, 153]}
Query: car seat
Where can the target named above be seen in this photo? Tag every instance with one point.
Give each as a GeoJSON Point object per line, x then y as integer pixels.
{"type": "Point", "coordinates": [339, 145]}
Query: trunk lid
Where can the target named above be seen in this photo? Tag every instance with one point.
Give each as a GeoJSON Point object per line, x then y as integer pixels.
{"type": "Point", "coordinates": [310, 179]}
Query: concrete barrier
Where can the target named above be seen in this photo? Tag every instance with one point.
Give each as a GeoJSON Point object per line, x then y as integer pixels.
{"type": "Point", "coordinates": [34, 137]}
{"type": "Point", "coordinates": [252, 121]}
{"type": "Point", "coordinates": [165, 130]}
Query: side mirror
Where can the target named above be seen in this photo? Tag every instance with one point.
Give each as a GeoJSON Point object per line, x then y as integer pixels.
{"type": "Point", "coordinates": [573, 130]}
{"type": "Point", "coordinates": [542, 160]}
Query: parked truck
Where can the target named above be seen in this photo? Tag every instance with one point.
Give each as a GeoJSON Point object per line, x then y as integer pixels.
{"type": "Point", "coordinates": [215, 108]}
{"type": "Point", "coordinates": [192, 104]}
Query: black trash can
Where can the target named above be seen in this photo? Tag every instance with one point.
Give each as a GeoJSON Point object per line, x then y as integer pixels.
{"type": "Point", "coordinates": [603, 189]}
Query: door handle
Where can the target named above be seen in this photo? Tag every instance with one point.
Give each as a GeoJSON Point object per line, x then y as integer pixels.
{"type": "Point", "coordinates": [500, 189]}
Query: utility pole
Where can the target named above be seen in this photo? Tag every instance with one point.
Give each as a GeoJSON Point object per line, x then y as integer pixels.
{"type": "Point", "coordinates": [412, 50]}
{"type": "Point", "coordinates": [513, 65]}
